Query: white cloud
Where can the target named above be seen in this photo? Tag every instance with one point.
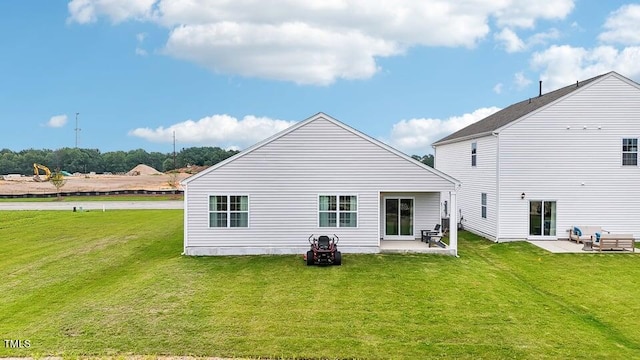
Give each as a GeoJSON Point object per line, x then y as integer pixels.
{"type": "Point", "coordinates": [415, 136]}
{"type": "Point", "coordinates": [563, 65]}
{"type": "Point", "coordinates": [140, 37]}
{"type": "Point", "coordinates": [219, 130]}
{"type": "Point", "coordinates": [498, 88]}
{"type": "Point", "coordinates": [623, 26]}
{"type": "Point", "coordinates": [543, 37]}
{"type": "Point", "coordinates": [57, 121]}
{"type": "Point", "coordinates": [88, 11]}
{"type": "Point", "coordinates": [523, 14]}
{"type": "Point", "coordinates": [313, 42]}
{"type": "Point", "coordinates": [521, 80]}
{"type": "Point", "coordinates": [293, 52]}
{"type": "Point", "coordinates": [510, 40]}
{"type": "Point", "coordinates": [512, 43]}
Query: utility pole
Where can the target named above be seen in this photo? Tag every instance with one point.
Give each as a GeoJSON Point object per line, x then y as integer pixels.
{"type": "Point", "coordinates": [77, 129]}
{"type": "Point", "coordinates": [174, 150]}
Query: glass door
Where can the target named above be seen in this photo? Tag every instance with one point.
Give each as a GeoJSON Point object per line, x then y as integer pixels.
{"type": "Point", "coordinates": [542, 218]}
{"type": "Point", "coordinates": [398, 217]}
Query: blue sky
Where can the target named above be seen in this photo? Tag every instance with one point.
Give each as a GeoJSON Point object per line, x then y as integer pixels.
{"type": "Point", "coordinates": [230, 73]}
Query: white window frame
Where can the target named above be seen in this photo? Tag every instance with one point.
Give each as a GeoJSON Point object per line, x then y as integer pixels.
{"type": "Point", "coordinates": [474, 154]}
{"type": "Point", "coordinates": [629, 152]}
{"type": "Point", "coordinates": [483, 205]}
{"type": "Point", "coordinates": [228, 211]}
{"type": "Point", "coordinates": [338, 211]}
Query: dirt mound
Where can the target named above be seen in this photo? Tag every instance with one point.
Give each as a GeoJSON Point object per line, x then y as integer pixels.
{"type": "Point", "coordinates": [143, 169]}
{"type": "Point", "coordinates": [192, 169]}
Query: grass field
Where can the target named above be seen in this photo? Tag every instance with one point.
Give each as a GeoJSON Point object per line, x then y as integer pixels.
{"type": "Point", "coordinates": [114, 283]}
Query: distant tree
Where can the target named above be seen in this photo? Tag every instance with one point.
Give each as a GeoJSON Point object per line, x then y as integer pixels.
{"type": "Point", "coordinates": [58, 180]}
{"type": "Point", "coordinates": [426, 159]}
{"type": "Point", "coordinates": [167, 165]}
{"type": "Point", "coordinates": [115, 162]}
{"type": "Point", "coordinates": [136, 157]}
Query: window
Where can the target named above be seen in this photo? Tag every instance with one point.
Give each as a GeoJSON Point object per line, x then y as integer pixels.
{"type": "Point", "coordinates": [630, 152]}
{"type": "Point", "coordinates": [338, 211]}
{"type": "Point", "coordinates": [474, 149]}
{"type": "Point", "coordinates": [228, 211]}
{"type": "Point", "coordinates": [484, 205]}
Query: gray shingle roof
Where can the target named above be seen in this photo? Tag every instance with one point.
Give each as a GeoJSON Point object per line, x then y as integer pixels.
{"type": "Point", "coordinates": [513, 112]}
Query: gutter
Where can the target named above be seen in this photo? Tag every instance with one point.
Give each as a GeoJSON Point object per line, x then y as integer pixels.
{"type": "Point", "coordinates": [468, 137]}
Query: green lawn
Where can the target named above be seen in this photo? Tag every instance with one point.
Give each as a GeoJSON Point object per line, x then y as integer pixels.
{"type": "Point", "coordinates": [114, 283]}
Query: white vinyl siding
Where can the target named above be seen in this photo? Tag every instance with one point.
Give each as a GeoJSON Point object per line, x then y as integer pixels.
{"type": "Point", "coordinates": [630, 152]}
{"type": "Point", "coordinates": [284, 178]}
{"type": "Point", "coordinates": [571, 152]}
{"type": "Point", "coordinates": [337, 211]}
{"type": "Point", "coordinates": [475, 180]}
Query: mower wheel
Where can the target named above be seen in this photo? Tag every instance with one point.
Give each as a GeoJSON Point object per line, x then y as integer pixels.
{"type": "Point", "coordinates": [338, 258]}
{"type": "Point", "coordinates": [309, 257]}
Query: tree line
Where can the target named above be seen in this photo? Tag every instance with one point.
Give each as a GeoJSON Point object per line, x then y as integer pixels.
{"type": "Point", "coordinates": [92, 160]}
{"type": "Point", "coordinates": [426, 159]}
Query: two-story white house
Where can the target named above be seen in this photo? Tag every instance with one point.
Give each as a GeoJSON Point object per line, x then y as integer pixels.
{"type": "Point", "coordinates": [540, 166]}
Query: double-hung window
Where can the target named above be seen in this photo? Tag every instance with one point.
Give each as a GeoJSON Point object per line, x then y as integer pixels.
{"type": "Point", "coordinates": [483, 205]}
{"type": "Point", "coordinates": [474, 153]}
{"type": "Point", "coordinates": [630, 152]}
{"type": "Point", "coordinates": [229, 211]}
{"type": "Point", "coordinates": [337, 211]}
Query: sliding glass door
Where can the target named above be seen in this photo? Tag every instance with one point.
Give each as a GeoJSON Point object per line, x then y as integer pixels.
{"type": "Point", "coordinates": [542, 218]}
{"type": "Point", "coordinates": [398, 214]}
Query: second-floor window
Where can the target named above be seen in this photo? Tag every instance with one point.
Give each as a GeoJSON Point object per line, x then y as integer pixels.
{"type": "Point", "coordinates": [474, 150]}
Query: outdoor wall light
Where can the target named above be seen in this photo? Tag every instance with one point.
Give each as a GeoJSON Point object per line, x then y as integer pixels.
{"type": "Point", "coordinates": [522, 196]}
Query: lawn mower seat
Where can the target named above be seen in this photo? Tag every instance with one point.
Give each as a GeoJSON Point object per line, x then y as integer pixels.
{"type": "Point", "coordinates": [324, 243]}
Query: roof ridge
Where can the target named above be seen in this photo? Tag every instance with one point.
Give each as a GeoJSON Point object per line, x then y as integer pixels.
{"type": "Point", "coordinates": [516, 111]}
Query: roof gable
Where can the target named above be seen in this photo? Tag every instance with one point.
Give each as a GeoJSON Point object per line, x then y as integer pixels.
{"type": "Point", "coordinates": [328, 118]}
{"type": "Point", "coordinates": [517, 111]}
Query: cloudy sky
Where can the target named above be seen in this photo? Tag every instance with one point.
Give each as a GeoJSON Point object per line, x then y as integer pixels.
{"type": "Point", "coordinates": [131, 73]}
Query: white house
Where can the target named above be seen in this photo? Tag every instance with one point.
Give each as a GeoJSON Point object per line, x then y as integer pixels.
{"type": "Point", "coordinates": [317, 177]}
{"type": "Point", "coordinates": [538, 167]}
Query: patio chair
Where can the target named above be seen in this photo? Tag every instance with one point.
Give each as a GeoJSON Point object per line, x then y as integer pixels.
{"type": "Point", "coordinates": [432, 236]}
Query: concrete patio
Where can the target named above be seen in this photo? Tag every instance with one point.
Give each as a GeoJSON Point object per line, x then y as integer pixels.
{"type": "Point", "coordinates": [566, 246]}
{"type": "Point", "coordinates": [411, 246]}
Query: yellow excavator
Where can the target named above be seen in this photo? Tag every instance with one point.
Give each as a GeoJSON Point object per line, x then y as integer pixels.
{"type": "Point", "coordinates": [36, 172]}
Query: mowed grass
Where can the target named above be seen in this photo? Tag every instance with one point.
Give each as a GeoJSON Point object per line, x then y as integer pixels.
{"type": "Point", "coordinates": [114, 283]}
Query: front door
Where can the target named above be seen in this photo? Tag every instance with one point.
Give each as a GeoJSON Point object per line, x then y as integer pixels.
{"type": "Point", "coordinates": [542, 218]}
{"type": "Point", "coordinates": [398, 214]}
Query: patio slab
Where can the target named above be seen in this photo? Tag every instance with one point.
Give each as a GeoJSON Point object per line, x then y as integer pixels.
{"type": "Point", "coordinates": [411, 246]}
{"type": "Point", "coordinates": [566, 246]}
